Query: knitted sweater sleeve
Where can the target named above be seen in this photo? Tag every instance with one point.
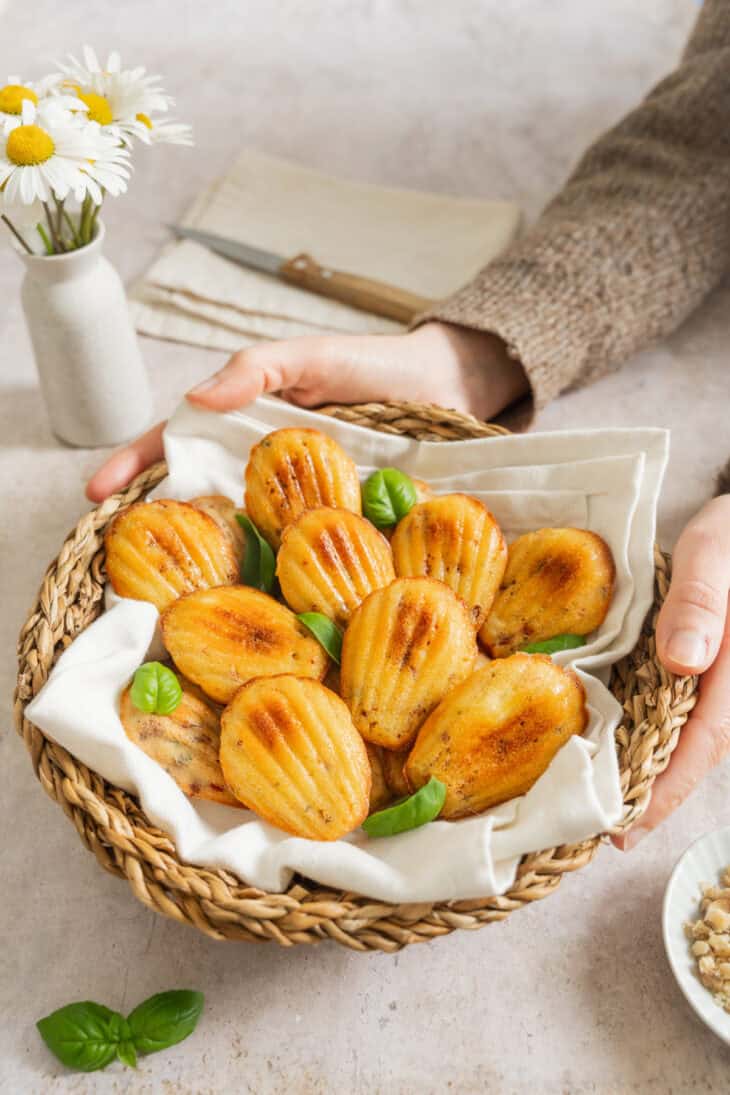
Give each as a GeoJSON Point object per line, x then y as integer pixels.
{"type": "Point", "coordinates": [637, 237]}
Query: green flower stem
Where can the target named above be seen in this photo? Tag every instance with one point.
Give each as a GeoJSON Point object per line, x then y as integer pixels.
{"type": "Point", "coordinates": [59, 215]}
{"type": "Point", "coordinates": [16, 233]}
{"type": "Point", "coordinates": [44, 236]}
{"type": "Point", "coordinates": [92, 226]}
{"type": "Point", "coordinates": [57, 245]}
{"type": "Point", "coordinates": [85, 221]}
{"type": "Point", "coordinates": [72, 229]}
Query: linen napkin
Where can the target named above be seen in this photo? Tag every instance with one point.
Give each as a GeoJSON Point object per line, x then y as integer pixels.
{"type": "Point", "coordinates": [605, 480]}
{"type": "Point", "coordinates": [428, 243]}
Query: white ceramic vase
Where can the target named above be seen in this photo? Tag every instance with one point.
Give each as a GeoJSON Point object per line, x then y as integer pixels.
{"type": "Point", "coordinates": [91, 371]}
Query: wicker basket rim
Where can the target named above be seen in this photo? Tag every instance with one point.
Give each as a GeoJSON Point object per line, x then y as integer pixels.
{"type": "Point", "coordinates": [112, 825]}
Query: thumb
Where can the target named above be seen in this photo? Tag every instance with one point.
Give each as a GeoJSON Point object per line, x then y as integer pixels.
{"type": "Point", "coordinates": [691, 622]}
{"type": "Point", "coordinates": [270, 367]}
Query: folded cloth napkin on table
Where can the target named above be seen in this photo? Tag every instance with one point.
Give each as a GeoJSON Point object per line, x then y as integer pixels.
{"type": "Point", "coordinates": [430, 244]}
{"type": "Point", "coordinates": [605, 480]}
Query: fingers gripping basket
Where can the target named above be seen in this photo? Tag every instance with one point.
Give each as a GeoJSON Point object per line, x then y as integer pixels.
{"type": "Point", "coordinates": [113, 826]}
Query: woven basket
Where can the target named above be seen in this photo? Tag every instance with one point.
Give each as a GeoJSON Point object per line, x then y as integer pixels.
{"type": "Point", "coordinates": [112, 825]}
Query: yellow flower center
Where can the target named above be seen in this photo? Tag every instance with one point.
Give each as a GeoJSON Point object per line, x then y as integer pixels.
{"type": "Point", "coordinates": [99, 109]}
{"type": "Point", "coordinates": [28, 145]}
{"type": "Point", "coordinates": [12, 96]}
{"type": "Point", "coordinates": [144, 120]}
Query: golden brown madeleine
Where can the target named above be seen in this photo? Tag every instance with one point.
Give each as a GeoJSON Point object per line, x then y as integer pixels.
{"type": "Point", "coordinates": [221, 638]}
{"type": "Point", "coordinates": [494, 735]}
{"type": "Point", "coordinates": [380, 793]}
{"type": "Point", "coordinates": [156, 551]}
{"type": "Point", "coordinates": [405, 647]}
{"type": "Point", "coordinates": [186, 743]}
{"type": "Point", "coordinates": [558, 581]}
{"type": "Point", "coordinates": [290, 752]}
{"type": "Point", "coordinates": [293, 470]}
{"type": "Point", "coordinates": [394, 761]}
{"type": "Point", "coordinates": [454, 538]}
{"type": "Point", "coordinates": [223, 511]}
{"type": "Point", "coordinates": [330, 560]}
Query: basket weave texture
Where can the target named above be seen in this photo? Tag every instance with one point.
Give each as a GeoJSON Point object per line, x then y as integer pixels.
{"type": "Point", "coordinates": [112, 825]}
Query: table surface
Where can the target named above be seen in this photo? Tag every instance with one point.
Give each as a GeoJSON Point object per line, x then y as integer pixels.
{"type": "Point", "coordinates": [573, 994]}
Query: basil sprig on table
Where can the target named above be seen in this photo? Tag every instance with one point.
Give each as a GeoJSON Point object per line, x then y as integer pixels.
{"type": "Point", "coordinates": [325, 631]}
{"type": "Point", "coordinates": [259, 561]}
{"type": "Point", "coordinates": [551, 646]}
{"type": "Point", "coordinates": [387, 495]}
{"type": "Point", "coordinates": [410, 813]}
{"type": "Point", "coordinates": [86, 1036]}
{"type": "Point", "coordinates": [155, 689]}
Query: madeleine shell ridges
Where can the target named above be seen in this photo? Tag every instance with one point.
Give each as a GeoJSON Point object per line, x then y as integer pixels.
{"type": "Point", "coordinates": [223, 511]}
{"type": "Point", "coordinates": [455, 538]}
{"type": "Point", "coordinates": [405, 647]}
{"type": "Point", "coordinates": [330, 560]}
{"type": "Point", "coordinates": [185, 743]}
{"type": "Point", "coordinates": [290, 752]}
{"type": "Point", "coordinates": [221, 638]}
{"type": "Point", "coordinates": [292, 470]}
{"type": "Point", "coordinates": [492, 737]}
{"type": "Point", "coordinates": [158, 551]}
{"type": "Point", "coordinates": [557, 581]}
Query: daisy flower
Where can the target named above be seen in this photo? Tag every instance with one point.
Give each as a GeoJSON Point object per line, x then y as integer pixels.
{"type": "Point", "coordinates": [45, 153]}
{"type": "Point", "coordinates": [17, 91]}
{"type": "Point", "coordinates": [165, 131]}
{"type": "Point", "coordinates": [122, 101]}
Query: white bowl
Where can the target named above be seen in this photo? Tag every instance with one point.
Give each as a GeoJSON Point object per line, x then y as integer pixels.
{"type": "Point", "coordinates": [700, 865]}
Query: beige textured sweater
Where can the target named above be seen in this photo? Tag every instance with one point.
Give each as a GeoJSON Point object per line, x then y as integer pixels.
{"type": "Point", "coordinates": [635, 240]}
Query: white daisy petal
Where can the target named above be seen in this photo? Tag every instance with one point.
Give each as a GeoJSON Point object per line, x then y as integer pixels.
{"type": "Point", "coordinates": [90, 59]}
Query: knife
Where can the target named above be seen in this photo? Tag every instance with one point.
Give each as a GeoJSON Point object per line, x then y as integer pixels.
{"type": "Point", "coordinates": [305, 272]}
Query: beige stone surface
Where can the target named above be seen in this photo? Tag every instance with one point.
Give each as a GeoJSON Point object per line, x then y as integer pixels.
{"type": "Point", "coordinates": [572, 995]}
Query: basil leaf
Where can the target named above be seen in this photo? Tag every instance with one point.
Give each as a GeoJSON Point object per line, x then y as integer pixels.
{"type": "Point", "coordinates": [165, 1019]}
{"type": "Point", "coordinates": [81, 1035]}
{"type": "Point", "coordinates": [387, 495]}
{"type": "Point", "coordinates": [412, 812]}
{"type": "Point", "coordinates": [127, 1054]}
{"type": "Point", "coordinates": [155, 689]}
{"type": "Point", "coordinates": [259, 562]}
{"type": "Point", "coordinates": [325, 631]}
{"type": "Point", "coordinates": [551, 646]}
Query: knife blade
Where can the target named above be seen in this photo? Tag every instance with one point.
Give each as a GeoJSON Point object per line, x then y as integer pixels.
{"type": "Point", "coordinates": [365, 294]}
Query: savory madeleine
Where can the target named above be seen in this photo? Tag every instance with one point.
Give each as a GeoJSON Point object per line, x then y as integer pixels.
{"type": "Point", "coordinates": [221, 638]}
{"type": "Point", "coordinates": [454, 538]}
{"type": "Point", "coordinates": [380, 794]}
{"type": "Point", "coordinates": [157, 551]}
{"type": "Point", "coordinates": [330, 560]}
{"type": "Point", "coordinates": [494, 735]}
{"type": "Point", "coordinates": [223, 511]}
{"type": "Point", "coordinates": [289, 751]}
{"type": "Point", "coordinates": [292, 470]}
{"type": "Point", "coordinates": [558, 581]}
{"type": "Point", "coordinates": [394, 761]}
{"type": "Point", "coordinates": [405, 647]}
{"type": "Point", "coordinates": [185, 743]}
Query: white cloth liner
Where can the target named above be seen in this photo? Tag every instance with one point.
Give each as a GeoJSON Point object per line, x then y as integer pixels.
{"type": "Point", "coordinates": [607, 480]}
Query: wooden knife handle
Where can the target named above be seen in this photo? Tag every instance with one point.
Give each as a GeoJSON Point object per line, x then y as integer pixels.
{"type": "Point", "coordinates": [363, 293]}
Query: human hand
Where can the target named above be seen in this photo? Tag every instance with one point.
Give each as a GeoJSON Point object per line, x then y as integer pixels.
{"type": "Point", "coordinates": [693, 636]}
{"type": "Point", "coordinates": [437, 363]}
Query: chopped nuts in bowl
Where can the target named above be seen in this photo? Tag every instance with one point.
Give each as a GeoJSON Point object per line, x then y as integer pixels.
{"type": "Point", "coordinates": [710, 940]}
{"type": "Point", "coordinates": [696, 928]}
